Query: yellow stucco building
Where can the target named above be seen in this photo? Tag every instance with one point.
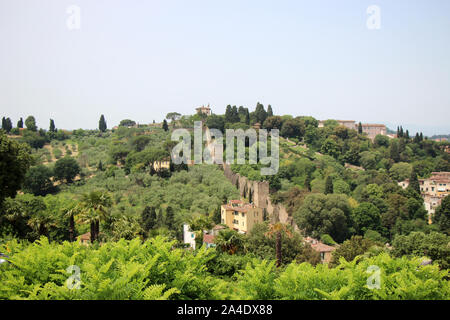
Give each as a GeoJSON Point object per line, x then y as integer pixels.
{"type": "Point", "coordinates": [241, 216]}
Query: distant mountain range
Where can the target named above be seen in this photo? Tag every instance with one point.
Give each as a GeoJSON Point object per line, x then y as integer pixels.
{"type": "Point", "coordinates": [440, 136]}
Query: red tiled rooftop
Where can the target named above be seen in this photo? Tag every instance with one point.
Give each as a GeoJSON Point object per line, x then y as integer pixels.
{"type": "Point", "coordinates": [322, 247]}
{"type": "Point", "coordinates": [208, 238]}
{"type": "Point", "coordinates": [239, 209]}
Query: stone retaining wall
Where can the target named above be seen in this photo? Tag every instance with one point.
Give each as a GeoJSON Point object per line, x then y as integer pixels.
{"type": "Point", "coordinates": [259, 191]}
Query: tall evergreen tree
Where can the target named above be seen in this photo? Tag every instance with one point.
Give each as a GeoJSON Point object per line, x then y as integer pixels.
{"type": "Point", "coordinates": [102, 124]}
{"type": "Point", "coordinates": [417, 138]}
{"type": "Point", "coordinates": [170, 218]}
{"type": "Point", "coordinates": [308, 182]}
{"type": "Point", "coordinates": [9, 125]}
{"type": "Point", "coordinates": [442, 216]}
{"type": "Point", "coordinates": [247, 116]}
{"type": "Point", "coordinates": [217, 215]}
{"type": "Point", "coordinates": [165, 126]}
{"type": "Point", "coordinates": [401, 132]}
{"type": "Point", "coordinates": [360, 131]}
{"type": "Point", "coordinates": [413, 181]}
{"type": "Point", "coordinates": [20, 123]}
{"type": "Point", "coordinates": [269, 111]}
{"type": "Point", "coordinates": [148, 218]}
{"type": "Point", "coordinates": [329, 185]}
{"type": "Point", "coordinates": [241, 111]}
{"type": "Point", "coordinates": [394, 153]}
{"type": "Point", "coordinates": [234, 115]}
{"type": "Point", "coordinates": [52, 126]}
{"type": "Point", "coordinates": [421, 137]}
{"type": "Point", "coordinates": [228, 114]}
{"type": "Point", "coordinates": [407, 134]}
{"type": "Point", "coordinates": [160, 219]}
{"type": "Point", "coordinates": [6, 124]}
{"type": "Point", "coordinates": [260, 113]}
{"type": "Point", "coordinates": [100, 166]}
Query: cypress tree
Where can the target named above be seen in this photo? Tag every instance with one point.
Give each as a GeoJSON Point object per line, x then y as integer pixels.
{"type": "Point", "coordinates": [228, 114]}
{"type": "Point", "coordinates": [148, 218]}
{"type": "Point", "coordinates": [20, 123]}
{"type": "Point", "coordinates": [413, 181]}
{"type": "Point", "coordinates": [407, 134]}
{"type": "Point", "coordinates": [269, 111]}
{"type": "Point", "coordinates": [8, 125]}
{"type": "Point", "coordinates": [102, 124]}
{"type": "Point", "coordinates": [160, 219]}
{"type": "Point", "coordinates": [52, 126]}
{"type": "Point", "coordinates": [217, 215]}
{"type": "Point", "coordinates": [241, 112]}
{"type": "Point", "coordinates": [360, 131]}
{"type": "Point", "coordinates": [329, 185]}
{"type": "Point", "coordinates": [234, 115]}
{"type": "Point", "coordinates": [170, 218]}
{"type": "Point", "coordinates": [247, 116]}
{"type": "Point", "coordinates": [417, 138]}
{"type": "Point", "coordinates": [394, 153]}
{"type": "Point", "coordinates": [308, 182]}
{"type": "Point", "coordinates": [421, 137]}
{"type": "Point", "coordinates": [401, 131]}
{"type": "Point", "coordinates": [260, 113]}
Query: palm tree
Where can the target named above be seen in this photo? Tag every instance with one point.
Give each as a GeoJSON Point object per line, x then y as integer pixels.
{"type": "Point", "coordinates": [93, 208]}
{"type": "Point", "coordinates": [276, 229]}
{"type": "Point", "coordinates": [70, 214]}
{"type": "Point", "coordinates": [40, 223]}
{"type": "Point", "coordinates": [229, 241]}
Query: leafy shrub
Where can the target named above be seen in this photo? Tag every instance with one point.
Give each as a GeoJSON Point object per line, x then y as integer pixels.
{"type": "Point", "coordinates": [57, 153]}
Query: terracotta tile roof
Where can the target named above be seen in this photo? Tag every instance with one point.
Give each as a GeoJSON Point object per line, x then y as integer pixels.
{"type": "Point", "coordinates": [322, 247]}
{"type": "Point", "coordinates": [244, 208]}
{"type": "Point", "coordinates": [86, 236]}
{"type": "Point", "coordinates": [208, 238]}
{"type": "Point", "coordinates": [219, 227]}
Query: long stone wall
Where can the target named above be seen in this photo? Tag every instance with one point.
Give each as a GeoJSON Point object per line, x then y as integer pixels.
{"type": "Point", "coordinates": [259, 191]}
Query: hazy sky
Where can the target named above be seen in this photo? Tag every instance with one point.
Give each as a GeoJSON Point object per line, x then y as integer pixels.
{"type": "Point", "coordinates": [141, 59]}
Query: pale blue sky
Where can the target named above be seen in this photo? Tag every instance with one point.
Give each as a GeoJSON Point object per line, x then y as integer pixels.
{"type": "Point", "coordinates": [141, 59]}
